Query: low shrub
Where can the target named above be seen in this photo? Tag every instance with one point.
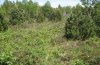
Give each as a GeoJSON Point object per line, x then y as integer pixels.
{"type": "Point", "coordinates": [78, 62]}
{"type": "Point", "coordinates": [3, 23]}
{"type": "Point", "coordinates": [6, 58]}
{"type": "Point", "coordinates": [80, 27]}
{"type": "Point", "coordinates": [17, 16]}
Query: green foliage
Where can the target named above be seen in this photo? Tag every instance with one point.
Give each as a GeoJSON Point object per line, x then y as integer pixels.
{"type": "Point", "coordinates": [55, 15]}
{"type": "Point", "coordinates": [95, 60]}
{"type": "Point", "coordinates": [21, 11]}
{"type": "Point", "coordinates": [80, 26]}
{"type": "Point", "coordinates": [7, 5]}
{"type": "Point", "coordinates": [3, 23]}
{"type": "Point", "coordinates": [40, 17]}
{"type": "Point", "coordinates": [7, 58]}
{"type": "Point", "coordinates": [78, 62]}
{"type": "Point", "coordinates": [72, 27]}
{"type": "Point", "coordinates": [47, 10]}
{"type": "Point", "coordinates": [51, 13]}
{"type": "Point", "coordinates": [90, 51]}
{"type": "Point", "coordinates": [83, 23]}
{"type": "Point", "coordinates": [86, 27]}
{"type": "Point", "coordinates": [33, 45]}
{"type": "Point", "coordinates": [17, 16]}
{"type": "Point", "coordinates": [32, 9]}
{"type": "Point", "coordinates": [96, 17]}
{"type": "Point", "coordinates": [43, 43]}
{"type": "Point", "coordinates": [93, 9]}
{"type": "Point", "coordinates": [89, 2]}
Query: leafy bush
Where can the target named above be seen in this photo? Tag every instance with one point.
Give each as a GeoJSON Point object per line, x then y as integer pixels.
{"type": "Point", "coordinates": [3, 23]}
{"type": "Point", "coordinates": [95, 61]}
{"type": "Point", "coordinates": [80, 27]}
{"type": "Point", "coordinates": [86, 27]}
{"type": "Point", "coordinates": [71, 27]}
{"type": "Point", "coordinates": [17, 16]}
{"type": "Point", "coordinates": [7, 58]}
{"type": "Point", "coordinates": [96, 18]}
{"type": "Point", "coordinates": [40, 17]}
{"type": "Point", "coordinates": [78, 62]}
{"type": "Point", "coordinates": [55, 15]}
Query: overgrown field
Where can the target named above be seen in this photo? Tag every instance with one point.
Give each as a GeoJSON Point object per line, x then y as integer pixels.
{"type": "Point", "coordinates": [45, 44]}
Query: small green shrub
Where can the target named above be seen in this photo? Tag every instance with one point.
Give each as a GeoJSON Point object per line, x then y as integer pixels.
{"type": "Point", "coordinates": [6, 58]}
{"type": "Point", "coordinates": [55, 16]}
{"type": "Point", "coordinates": [80, 27]}
{"type": "Point", "coordinates": [71, 27]}
{"type": "Point", "coordinates": [95, 61]}
{"type": "Point", "coordinates": [3, 24]}
{"type": "Point", "coordinates": [17, 16]}
{"type": "Point", "coordinates": [78, 62]}
{"type": "Point", "coordinates": [96, 18]}
{"type": "Point", "coordinates": [86, 27]}
{"type": "Point", "coordinates": [40, 17]}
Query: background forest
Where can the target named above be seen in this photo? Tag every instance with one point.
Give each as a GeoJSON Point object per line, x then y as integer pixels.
{"type": "Point", "coordinates": [31, 34]}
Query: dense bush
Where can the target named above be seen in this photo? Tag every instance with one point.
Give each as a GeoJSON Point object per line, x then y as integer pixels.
{"type": "Point", "coordinates": [78, 62]}
{"type": "Point", "coordinates": [96, 17]}
{"type": "Point", "coordinates": [3, 23]}
{"type": "Point", "coordinates": [86, 27]}
{"type": "Point", "coordinates": [7, 58]}
{"type": "Point", "coordinates": [40, 17]}
{"type": "Point", "coordinates": [17, 16]}
{"type": "Point", "coordinates": [19, 12]}
{"type": "Point", "coordinates": [47, 10]}
{"type": "Point", "coordinates": [71, 27]}
{"type": "Point", "coordinates": [84, 22]}
{"type": "Point", "coordinates": [80, 27]}
{"type": "Point", "coordinates": [56, 15]}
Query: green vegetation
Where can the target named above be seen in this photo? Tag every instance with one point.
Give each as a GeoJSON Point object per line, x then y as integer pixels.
{"type": "Point", "coordinates": [43, 43]}
{"type": "Point", "coordinates": [3, 23]}
{"type": "Point", "coordinates": [28, 11]}
{"type": "Point", "coordinates": [83, 23]}
{"type": "Point", "coordinates": [42, 35]}
{"type": "Point", "coordinates": [80, 26]}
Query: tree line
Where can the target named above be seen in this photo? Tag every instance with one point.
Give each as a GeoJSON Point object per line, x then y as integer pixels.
{"type": "Point", "coordinates": [14, 13]}
{"type": "Point", "coordinates": [82, 21]}
{"type": "Point", "coordinates": [18, 12]}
